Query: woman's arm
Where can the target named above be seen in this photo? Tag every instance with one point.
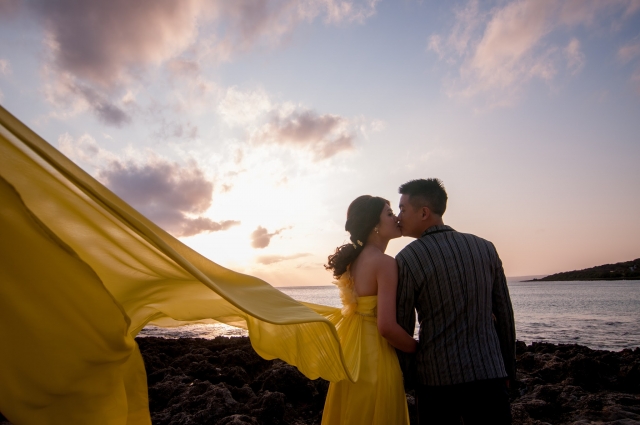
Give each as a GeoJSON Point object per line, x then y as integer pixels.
{"type": "Point", "coordinates": [387, 275]}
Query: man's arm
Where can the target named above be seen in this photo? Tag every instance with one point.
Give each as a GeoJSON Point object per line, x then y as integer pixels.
{"type": "Point", "coordinates": [406, 315]}
{"type": "Point", "coordinates": [505, 325]}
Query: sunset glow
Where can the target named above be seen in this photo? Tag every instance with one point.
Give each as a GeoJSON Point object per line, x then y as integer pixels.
{"type": "Point", "coordinates": [247, 128]}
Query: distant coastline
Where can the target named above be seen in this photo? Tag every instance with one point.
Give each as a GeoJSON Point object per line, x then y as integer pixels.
{"type": "Point", "coordinates": [628, 270]}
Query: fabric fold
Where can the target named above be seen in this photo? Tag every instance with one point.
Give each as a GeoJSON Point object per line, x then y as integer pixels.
{"type": "Point", "coordinates": [66, 354]}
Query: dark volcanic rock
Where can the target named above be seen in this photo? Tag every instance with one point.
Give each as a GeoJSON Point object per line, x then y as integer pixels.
{"type": "Point", "coordinates": [286, 379]}
{"type": "Point", "coordinates": [572, 384]}
{"type": "Point", "coordinates": [223, 381]}
{"type": "Point", "coordinates": [269, 407]}
{"type": "Point", "coordinates": [238, 420]}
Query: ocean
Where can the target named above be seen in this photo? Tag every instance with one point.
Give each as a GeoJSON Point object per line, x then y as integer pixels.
{"type": "Point", "coordinates": [603, 315]}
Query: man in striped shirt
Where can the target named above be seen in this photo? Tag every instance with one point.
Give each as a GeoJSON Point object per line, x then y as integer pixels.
{"type": "Point", "coordinates": [455, 281]}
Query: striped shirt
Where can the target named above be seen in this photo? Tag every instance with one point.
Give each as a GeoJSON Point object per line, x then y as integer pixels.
{"type": "Point", "coordinates": [456, 283]}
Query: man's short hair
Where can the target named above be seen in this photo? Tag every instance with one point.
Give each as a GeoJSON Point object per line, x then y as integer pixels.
{"type": "Point", "coordinates": [426, 193]}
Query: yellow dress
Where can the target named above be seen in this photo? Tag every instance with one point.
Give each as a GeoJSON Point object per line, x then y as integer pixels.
{"type": "Point", "coordinates": [377, 396]}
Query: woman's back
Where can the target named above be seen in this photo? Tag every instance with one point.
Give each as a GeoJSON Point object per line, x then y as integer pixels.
{"type": "Point", "coordinates": [364, 271]}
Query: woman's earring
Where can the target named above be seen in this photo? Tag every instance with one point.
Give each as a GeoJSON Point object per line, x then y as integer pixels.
{"type": "Point", "coordinates": [376, 229]}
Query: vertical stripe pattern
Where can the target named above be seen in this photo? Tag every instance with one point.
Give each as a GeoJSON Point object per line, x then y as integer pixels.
{"type": "Point", "coordinates": [456, 283]}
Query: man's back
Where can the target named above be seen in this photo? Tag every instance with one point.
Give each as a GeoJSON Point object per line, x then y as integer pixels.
{"type": "Point", "coordinates": [456, 283]}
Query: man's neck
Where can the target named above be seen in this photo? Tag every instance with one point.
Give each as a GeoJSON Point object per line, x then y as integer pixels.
{"type": "Point", "coordinates": [433, 222]}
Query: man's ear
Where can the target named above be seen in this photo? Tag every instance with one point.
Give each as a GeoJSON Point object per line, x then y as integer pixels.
{"type": "Point", "coordinates": [426, 213]}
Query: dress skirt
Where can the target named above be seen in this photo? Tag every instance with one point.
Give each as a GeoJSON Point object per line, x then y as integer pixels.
{"type": "Point", "coordinates": [377, 396]}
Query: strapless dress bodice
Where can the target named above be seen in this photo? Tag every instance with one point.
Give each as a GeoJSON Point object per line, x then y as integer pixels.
{"type": "Point", "coordinates": [367, 306]}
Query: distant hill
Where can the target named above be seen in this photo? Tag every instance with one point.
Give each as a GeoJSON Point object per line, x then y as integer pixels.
{"type": "Point", "coordinates": [629, 270]}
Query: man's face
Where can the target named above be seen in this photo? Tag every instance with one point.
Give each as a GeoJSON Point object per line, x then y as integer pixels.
{"type": "Point", "coordinates": [410, 218]}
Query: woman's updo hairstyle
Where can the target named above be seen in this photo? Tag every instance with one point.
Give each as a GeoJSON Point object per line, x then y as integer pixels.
{"type": "Point", "coordinates": [362, 216]}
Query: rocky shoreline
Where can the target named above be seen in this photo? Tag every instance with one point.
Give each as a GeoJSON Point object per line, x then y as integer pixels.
{"type": "Point", "coordinates": [223, 381]}
{"type": "Point", "coordinates": [573, 384]}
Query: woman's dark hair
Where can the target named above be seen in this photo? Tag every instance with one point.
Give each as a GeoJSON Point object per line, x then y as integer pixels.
{"type": "Point", "coordinates": [362, 216]}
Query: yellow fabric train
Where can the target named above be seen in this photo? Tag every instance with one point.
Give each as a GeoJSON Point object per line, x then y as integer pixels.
{"type": "Point", "coordinates": [82, 272]}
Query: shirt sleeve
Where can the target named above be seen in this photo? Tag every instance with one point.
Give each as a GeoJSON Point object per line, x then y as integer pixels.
{"type": "Point", "coordinates": [505, 324]}
{"type": "Point", "coordinates": [406, 317]}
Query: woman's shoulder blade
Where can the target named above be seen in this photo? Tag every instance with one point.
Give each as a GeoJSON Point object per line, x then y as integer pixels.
{"type": "Point", "coordinates": [387, 262]}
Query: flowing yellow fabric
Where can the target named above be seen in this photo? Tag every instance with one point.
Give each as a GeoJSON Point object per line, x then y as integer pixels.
{"type": "Point", "coordinates": [377, 397]}
{"type": "Point", "coordinates": [83, 273]}
{"type": "Point", "coordinates": [62, 332]}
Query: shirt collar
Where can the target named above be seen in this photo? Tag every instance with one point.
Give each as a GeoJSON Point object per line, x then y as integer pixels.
{"type": "Point", "coordinates": [436, 228]}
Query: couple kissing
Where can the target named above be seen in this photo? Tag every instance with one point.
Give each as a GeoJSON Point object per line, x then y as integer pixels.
{"type": "Point", "coordinates": [464, 359]}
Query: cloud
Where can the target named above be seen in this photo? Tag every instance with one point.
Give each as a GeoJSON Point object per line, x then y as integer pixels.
{"type": "Point", "coordinates": [497, 52]}
{"type": "Point", "coordinates": [241, 108]}
{"type": "Point", "coordinates": [434, 44]}
{"type": "Point", "coordinates": [183, 68]}
{"type": "Point", "coordinates": [105, 41]}
{"type": "Point", "coordinates": [193, 226]}
{"type": "Point", "coordinates": [295, 126]}
{"type": "Point", "coordinates": [468, 20]}
{"type": "Point", "coordinates": [270, 259]}
{"type": "Point", "coordinates": [575, 57]}
{"type": "Point", "coordinates": [5, 67]}
{"type": "Point", "coordinates": [323, 135]}
{"type": "Point", "coordinates": [103, 46]}
{"type": "Point", "coordinates": [504, 56]}
{"type": "Point", "coordinates": [248, 24]}
{"type": "Point", "coordinates": [176, 130]}
{"type": "Point", "coordinates": [70, 96]}
{"type": "Point", "coordinates": [629, 51]}
{"type": "Point", "coordinates": [260, 238]}
{"type": "Point", "coordinates": [95, 49]}
{"type": "Point", "coordinates": [170, 195]}
{"type": "Point", "coordinates": [85, 149]}
{"type": "Point", "coordinates": [106, 111]}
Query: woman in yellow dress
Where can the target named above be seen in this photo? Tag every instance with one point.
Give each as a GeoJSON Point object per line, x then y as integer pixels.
{"type": "Point", "coordinates": [367, 328]}
{"type": "Point", "coordinates": [83, 272]}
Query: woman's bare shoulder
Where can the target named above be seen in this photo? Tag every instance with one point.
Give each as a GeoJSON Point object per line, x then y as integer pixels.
{"type": "Point", "coordinates": [377, 261]}
{"type": "Point", "coordinates": [385, 262]}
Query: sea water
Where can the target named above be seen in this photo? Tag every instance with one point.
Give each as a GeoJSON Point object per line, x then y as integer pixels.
{"type": "Point", "coordinates": [602, 315]}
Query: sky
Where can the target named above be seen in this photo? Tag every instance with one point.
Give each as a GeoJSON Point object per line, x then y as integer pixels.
{"type": "Point", "coordinates": [245, 128]}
